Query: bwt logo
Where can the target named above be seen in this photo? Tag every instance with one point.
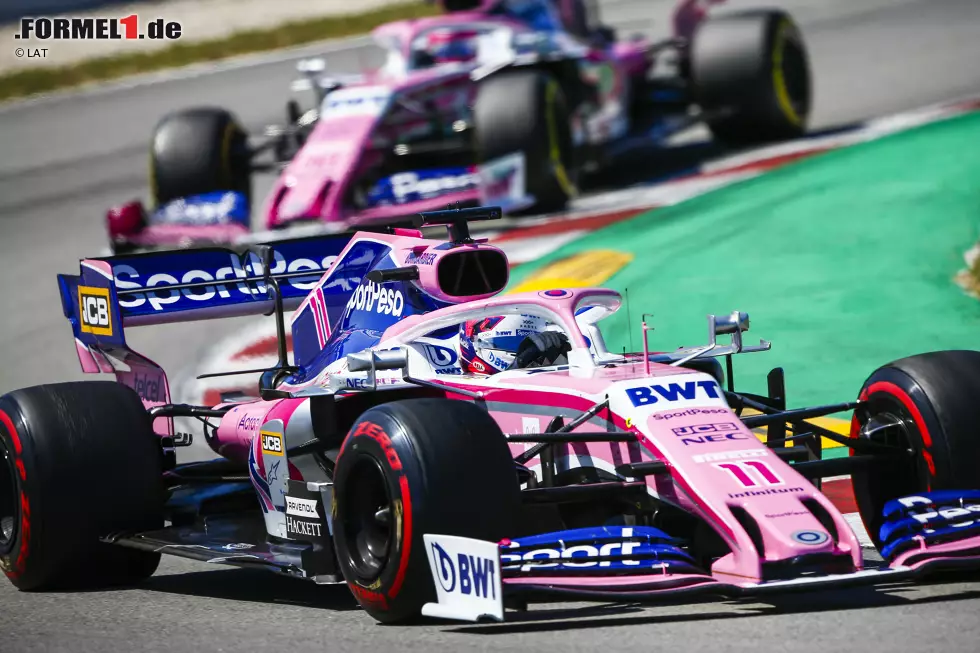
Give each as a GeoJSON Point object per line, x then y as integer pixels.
{"type": "Point", "coordinates": [441, 356]}
{"type": "Point", "coordinates": [93, 308]}
{"type": "Point", "coordinates": [467, 574]}
{"type": "Point", "coordinates": [651, 394]}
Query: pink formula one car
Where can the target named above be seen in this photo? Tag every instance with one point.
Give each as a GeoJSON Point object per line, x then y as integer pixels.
{"type": "Point", "coordinates": [507, 102]}
{"type": "Point", "coordinates": [387, 456]}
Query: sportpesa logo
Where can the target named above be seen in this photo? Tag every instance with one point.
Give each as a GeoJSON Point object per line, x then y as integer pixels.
{"type": "Point", "coordinates": [375, 297]}
{"type": "Point", "coordinates": [93, 309]}
{"type": "Point", "coordinates": [129, 277]}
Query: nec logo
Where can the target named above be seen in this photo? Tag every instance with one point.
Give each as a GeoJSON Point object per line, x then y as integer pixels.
{"type": "Point", "coordinates": [93, 309]}
{"type": "Point", "coordinates": [708, 433]}
{"type": "Point", "coordinates": [271, 443]}
{"type": "Point", "coordinates": [651, 394]}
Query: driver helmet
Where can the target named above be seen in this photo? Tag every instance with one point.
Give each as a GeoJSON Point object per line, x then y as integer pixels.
{"type": "Point", "coordinates": [450, 45]}
{"type": "Point", "coordinates": [488, 346]}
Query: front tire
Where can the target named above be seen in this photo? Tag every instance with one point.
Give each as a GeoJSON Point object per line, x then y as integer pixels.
{"type": "Point", "coordinates": [411, 467]}
{"type": "Point", "coordinates": [751, 77]}
{"type": "Point", "coordinates": [525, 111]}
{"type": "Point", "coordinates": [935, 400]}
{"type": "Point", "coordinates": [78, 461]}
{"type": "Point", "coordinates": [198, 151]}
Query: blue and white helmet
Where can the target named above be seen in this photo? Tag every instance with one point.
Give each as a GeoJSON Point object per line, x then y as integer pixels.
{"type": "Point", "coordinates": [488, 346]}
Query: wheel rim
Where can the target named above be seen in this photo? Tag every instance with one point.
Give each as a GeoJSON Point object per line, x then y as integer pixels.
{"type": "Point", "coordinates": [795, 74]}
{"type": "Point", "coordinates": [893, 481]}
{"type": "Point", "coordinates": [367, 519]}
{"type": "Point", "coordinates": [9, 491]}
{"type": "Point", "coordinates": [900, 436]}
{"type": "Point", "coordinates": [559, 142]}
{"type": "Point", "coordinates": [790, 71]}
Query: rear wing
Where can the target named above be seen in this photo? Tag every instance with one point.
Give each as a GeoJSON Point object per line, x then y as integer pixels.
{"type": "Point", "coordinates": [112, 293]}
{"type": "Point", "coordinates": [193, 284]}
{"type": "Point", "coordinates": [116, 292]}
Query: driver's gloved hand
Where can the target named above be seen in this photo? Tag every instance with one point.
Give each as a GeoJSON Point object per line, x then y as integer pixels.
{"type": "Point", "coordinates": [541, 349]}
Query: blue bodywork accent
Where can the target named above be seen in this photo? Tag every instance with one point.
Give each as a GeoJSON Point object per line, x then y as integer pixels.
{"type": "Point", "coordinates": [110, 336]}
{"type": "Point", "coordinates": [601, 548]}
{"type": "Point", "coordinates": [405, 187]}
{"type": "Point", "coordinates": [943, 515]}
{"type": "Point", "coordinates": [337, 290]}
{"type": "Point", "coordinates": [139, 271]}
{"type": "Point", "coordinates": [359, 310]}
{"type": "Point", "coordinates": [223, 207]}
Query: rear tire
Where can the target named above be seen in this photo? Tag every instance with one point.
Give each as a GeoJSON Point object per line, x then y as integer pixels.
{"type": "Point", "coordinates": [78, 461]}
{"type": "Point", "coordinates": [751, 76]}
{"type": "Point", "coordinates": [435, 466]}
{"type": "Point", "coordinates": [525, 111]}
{"type": "Point", "coordinates": [199, 151]}
{"type": "Point", "coordinates": [936, 397]}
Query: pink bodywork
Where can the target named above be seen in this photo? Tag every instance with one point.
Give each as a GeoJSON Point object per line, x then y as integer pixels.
{"type": "Point", "coordinates": [715, 467]}
{"type": "Point", "coordinates": [314, 186]}
{"type": "Point", "coordinates": [767, 488]}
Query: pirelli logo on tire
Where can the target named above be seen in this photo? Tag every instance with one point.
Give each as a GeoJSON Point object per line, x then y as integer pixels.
{"type": "Point", "coordinates": [93, 311]}
{"type": "Point", "coordinates": [271, 443]}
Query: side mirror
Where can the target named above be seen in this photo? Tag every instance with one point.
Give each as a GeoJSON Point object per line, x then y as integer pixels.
{"type": "Point", "coordinates": [372, 361]}
{"type": "Point", "coordinates": [393, 359]}
{"type": "Point", "coordinates": [735, 324]}
{"type": "Point", "coordinates": [737, 321]}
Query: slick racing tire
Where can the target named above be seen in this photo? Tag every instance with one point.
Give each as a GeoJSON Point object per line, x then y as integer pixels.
{"type": "Point", "coordinates": [935, 398]}
{"type": "Point", "coordinates": [525, 111]}
{"type": "Point", "coordinates": [412, 467]}
{"type": "Point", "coordinates": [78, 461]}
{"type": "Point", "coordinates": [751, 77]}
{"type": "Point", "coordinates": [198, 151]}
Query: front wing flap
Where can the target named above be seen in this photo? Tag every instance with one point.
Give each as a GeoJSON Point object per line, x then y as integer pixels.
{"type": "Point", "coordinates": [474, 578]}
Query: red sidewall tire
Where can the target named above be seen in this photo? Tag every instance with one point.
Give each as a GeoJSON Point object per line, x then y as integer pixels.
{"type": "Point", "coordinates": [437, 466]}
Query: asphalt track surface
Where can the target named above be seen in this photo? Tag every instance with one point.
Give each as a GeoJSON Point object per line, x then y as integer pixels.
{"type": "Point", "coordinates": [66, 158]}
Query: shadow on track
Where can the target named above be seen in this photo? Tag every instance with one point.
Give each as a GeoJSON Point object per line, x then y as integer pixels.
{"type": "Point", "coordinates": [632, 614]}
{"type": "Point", "coordinates": [253, 586]}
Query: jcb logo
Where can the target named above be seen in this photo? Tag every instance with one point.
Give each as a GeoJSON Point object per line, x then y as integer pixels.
{"type": "Point", "coordinates": [271, 443]}
{"type": "Point", "coordinates": [93, 307]}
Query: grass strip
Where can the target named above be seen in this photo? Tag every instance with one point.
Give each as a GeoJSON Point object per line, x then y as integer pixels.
{"type": "Point", "coordinates": [42, 80]}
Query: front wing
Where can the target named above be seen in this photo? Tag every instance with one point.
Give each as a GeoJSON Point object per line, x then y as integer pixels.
{"type": "Point", "coordinates": [475, 579]}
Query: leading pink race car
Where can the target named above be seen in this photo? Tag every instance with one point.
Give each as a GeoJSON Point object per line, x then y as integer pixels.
{"type": "Point", "coordinates": [378, 459]}
{"type": "Point", "coordinates": [506, 102]}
